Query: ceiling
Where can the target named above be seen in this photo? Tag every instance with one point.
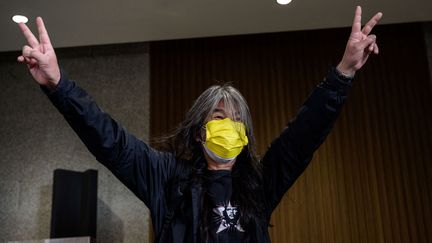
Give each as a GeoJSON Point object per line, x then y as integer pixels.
{"type": "Point", "coordinates": [94, 22]}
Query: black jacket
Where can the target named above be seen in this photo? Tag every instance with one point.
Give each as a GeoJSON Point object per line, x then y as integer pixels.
{"type": "Point", "coordinates": [150, 173]}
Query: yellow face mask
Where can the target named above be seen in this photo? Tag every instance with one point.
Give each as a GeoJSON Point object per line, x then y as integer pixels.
{"type": "Point", "coordinates": [225, 139]}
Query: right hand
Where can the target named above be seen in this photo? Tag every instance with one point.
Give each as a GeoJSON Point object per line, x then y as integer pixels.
{"type": "Point", "coordinates": [39, 56]}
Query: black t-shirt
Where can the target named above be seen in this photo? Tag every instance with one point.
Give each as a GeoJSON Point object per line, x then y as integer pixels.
{"type": "Point", "coordinates": [225, 216]}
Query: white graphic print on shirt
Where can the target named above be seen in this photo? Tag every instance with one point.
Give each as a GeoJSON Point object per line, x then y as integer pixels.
{"type": "Point", "coordinates": [228, 217]}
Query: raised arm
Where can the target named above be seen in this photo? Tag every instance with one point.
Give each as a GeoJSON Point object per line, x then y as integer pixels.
{"type": "Point", "coordinates": [141, 168]}
{"type": "Point", "coordinates": [289, 154]}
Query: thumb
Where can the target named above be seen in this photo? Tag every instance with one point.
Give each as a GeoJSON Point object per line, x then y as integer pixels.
{"type": "Point", "coordinates": [29, 52]}
{"type": "Point", "coordinates": [366, 42]}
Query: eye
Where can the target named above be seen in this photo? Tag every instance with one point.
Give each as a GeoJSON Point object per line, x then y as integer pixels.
{"type": "Point", "coordinates": [218, 115]}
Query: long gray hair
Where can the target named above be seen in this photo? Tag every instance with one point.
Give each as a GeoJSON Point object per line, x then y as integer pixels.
{"type": "Point", "coordinates": [183, 140]}
{"type": "Point", "coordinates": [185, 143]}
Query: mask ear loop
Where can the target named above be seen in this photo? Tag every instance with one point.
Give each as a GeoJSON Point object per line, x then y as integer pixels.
{"type": "Point", "coordinates": [201, 134]}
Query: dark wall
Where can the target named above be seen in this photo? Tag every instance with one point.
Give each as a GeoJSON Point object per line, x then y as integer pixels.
{"type": "Point", "coordinates": [428, 39]}
{"type": "Point", "coordinates": [371, 180]}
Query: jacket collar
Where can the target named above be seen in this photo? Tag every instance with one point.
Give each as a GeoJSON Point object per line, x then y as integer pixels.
{"type": "Point", "coordinates": [196, 191]}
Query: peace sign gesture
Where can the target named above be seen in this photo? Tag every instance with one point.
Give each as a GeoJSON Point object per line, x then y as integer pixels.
{"type": "Point", "coordinates": [39, 56]}
{"type": "Point", "coordinates": [360, 44]}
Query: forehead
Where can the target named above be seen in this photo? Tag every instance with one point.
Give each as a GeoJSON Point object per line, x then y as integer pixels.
{"type": "Point", "coordinates": [226, 109]}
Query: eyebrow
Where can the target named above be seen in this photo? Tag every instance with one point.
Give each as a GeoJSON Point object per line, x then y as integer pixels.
{"type": "Point", "coordinates": [219, 110]}
{"type": "Point", "coordinates": [237, 114]}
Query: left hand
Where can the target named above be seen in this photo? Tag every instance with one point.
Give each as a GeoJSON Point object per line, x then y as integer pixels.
{"type": "Point", "coordinates": [360, 44]}
{"type": "Point", "coordinates": [39, 55]}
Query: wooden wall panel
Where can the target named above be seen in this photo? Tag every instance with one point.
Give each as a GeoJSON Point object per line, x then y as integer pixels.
{"type": "Point", "coordinates": [371, 180]}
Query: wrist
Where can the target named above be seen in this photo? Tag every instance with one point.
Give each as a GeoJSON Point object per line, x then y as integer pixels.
{"type": "Point", "coordinates": [344, 71]}
{"type": "Point", "coordinates": [53, 82]}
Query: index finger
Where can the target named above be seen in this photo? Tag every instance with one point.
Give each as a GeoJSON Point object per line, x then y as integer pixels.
{"type": "Point", "coordinates": [31, 39]}
{"type": "Point", "coordinates": [372, 22]}
{"type": "Point", "coordinates": [43, 34]}
{"type": "Point", "coordinates": [356, 27]}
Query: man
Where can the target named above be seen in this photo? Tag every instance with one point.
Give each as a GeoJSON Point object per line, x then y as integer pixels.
{"type": "Point", "coordinates": [208, 185]}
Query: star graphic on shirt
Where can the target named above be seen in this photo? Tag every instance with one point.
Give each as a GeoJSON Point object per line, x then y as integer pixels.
{"type": "Point", "coordinates": [229, 217]}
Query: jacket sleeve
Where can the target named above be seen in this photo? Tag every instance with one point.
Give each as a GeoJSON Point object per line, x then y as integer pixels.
{"type": "Point", "coordinates": [289, 154]}
{"type": "Point", "coordinates": [142, 169]}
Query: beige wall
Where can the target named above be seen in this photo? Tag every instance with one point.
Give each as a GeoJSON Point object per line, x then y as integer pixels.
{"type": "Point", "coordinates": [35, 140]}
